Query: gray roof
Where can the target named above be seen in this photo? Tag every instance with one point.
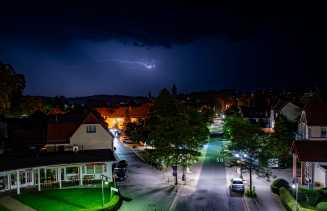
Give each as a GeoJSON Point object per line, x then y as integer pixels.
{"type": "Point", "coordinates": [19, 161]}
{"type": "Point", "coordinates": [291, 112]}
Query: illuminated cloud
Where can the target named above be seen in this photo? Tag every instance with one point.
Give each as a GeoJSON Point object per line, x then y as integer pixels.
{"type": "Point", "coordinates": [134, 63]}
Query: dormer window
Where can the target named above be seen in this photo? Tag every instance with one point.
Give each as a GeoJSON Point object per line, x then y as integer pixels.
{"type": "Point", "coordinates": [91, 129]}
{"type": "Point", "coordinates": [323, 132]}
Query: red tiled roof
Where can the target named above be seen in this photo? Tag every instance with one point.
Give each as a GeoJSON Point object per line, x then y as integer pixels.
{"type": "Point", "coordinates": [316, 114]}
{"type": "Point", "coordinates": [314, 151]}
{"type": "Point", "coordinates": [59, 133]}
{"type": "Point", "coordinates": [120, 112]}
{"type": "Point", "coordinates": [55, 111]}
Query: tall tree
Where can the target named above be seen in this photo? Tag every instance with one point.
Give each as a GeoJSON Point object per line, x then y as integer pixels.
{"type": "Point", "coordinates": [174, 90]}
{"type": "Point", "coordinates": [282, 138]}
{"type": "Point", "coordinates": [175, 131]}
{"type": "Point", "coordinates": [11, 86]}
{"type": "Point", "coordinates": [249, 139]}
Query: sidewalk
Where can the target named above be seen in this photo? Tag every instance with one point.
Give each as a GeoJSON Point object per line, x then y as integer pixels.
{"type": "Point", "coordinates": [265, 200]}
{"type": "Point", "coordinates": [12, 204]}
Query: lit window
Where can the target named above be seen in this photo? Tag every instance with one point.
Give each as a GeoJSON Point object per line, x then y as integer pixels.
{"type": "Point", "coordinates": [91, 129]}
{"type": "Point", "coordinates": [323, 132]}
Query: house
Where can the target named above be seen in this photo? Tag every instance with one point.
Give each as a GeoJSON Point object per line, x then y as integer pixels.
{"type": "Point", "coordinates": [255, 115]}
{"type": "Point", "coordinates": [118, 117]}
{"type": "Point", "coordinates": [76, 149]}
{"type": "Point", "coordinates": [77, 131]}
{"type": "Point", "coordinates": [310, 147]}
{"type": "Point", "coordinates": [287, 109]}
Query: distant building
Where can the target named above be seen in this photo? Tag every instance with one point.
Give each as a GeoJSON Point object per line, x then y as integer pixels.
{"type": "Point", "coordinates": [287, 109]}
{"type": "Point", "coordinates": [118, 117]}
{"type": "Point", "coordinates": [255, 115]}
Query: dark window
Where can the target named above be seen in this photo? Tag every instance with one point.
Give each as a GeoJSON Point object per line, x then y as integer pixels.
{"type": "Point", "coordinates": [323, 132]}
{"type": "Point", "coordinates": [91, 129]}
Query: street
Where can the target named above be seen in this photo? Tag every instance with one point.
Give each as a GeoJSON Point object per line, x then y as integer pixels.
{"type": "Point", "coordinates": [206, 187]}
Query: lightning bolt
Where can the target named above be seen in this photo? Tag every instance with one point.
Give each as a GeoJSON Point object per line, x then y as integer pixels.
{"type": "Point", "coordinates": [149, 66]}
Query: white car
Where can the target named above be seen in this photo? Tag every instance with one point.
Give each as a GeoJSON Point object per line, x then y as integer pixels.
{"type": "Point", "coordinates": [237, 185]}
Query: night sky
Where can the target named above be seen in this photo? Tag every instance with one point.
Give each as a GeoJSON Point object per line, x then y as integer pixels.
{"type": "Point", "coordinates": [80, 49]}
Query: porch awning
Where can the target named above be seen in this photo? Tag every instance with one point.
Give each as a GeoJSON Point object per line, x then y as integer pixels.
{"type": "Point", "coordinates": [13, 162]}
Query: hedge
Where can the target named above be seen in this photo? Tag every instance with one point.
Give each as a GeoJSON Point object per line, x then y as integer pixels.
{"type": "Point", "coordinates": [278, 183]}
{"type": "Point", "coordinates": [322, 206]}
{"type": "Point", "coordinates": [289, 202]}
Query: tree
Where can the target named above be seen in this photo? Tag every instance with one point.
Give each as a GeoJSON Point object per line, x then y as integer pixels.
{"type": "Point", "coordinates": [30, 104]}
{"type": "Point", "coordinates": [174, 90]}
{"type": "Point", "coordinates": [175, 131]}
{"type": "Point", "coordinates": [282, 138]}
{"type": "Point", "coordinates": [233, 111]}
{"type": "Point", "coordinates": [136, 131]}
{"type": "Point", "coordinates": [208, 114]}
{"type": "Point", "coordinates": [11, 86]}
{"type": "Point", "coordinates": [249, 139]}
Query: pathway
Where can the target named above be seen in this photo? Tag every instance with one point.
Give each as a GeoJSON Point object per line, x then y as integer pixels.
{"type": "Point", "coordinates": [12, 204]}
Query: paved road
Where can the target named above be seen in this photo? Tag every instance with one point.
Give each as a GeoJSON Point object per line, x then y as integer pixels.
{"type": "Point", "coordinates": [150, 190]}
{"type": "Point", "coordinates": [146, 186]}
{"type": "Point", "coordinates": [211, 192]}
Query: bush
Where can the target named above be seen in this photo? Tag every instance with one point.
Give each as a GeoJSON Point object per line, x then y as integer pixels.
{"type": "Point", "coordinates": [277, 184]}
{"type": "Point", "coordinates": [289, 202]}
{"type": "Point", "coordinates": [308, 196]}
{"type": "Point", "coordinates": [251, 194]}
{"type": "Point", "coordinates": [323, 192]}
{"type": "Point", "coordinates": [322, 206]}
{"type": "Point", "coordinates": [287, 199]}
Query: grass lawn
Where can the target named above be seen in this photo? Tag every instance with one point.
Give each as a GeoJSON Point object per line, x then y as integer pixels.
{"type": "Point", "coordinates": [67, 199]}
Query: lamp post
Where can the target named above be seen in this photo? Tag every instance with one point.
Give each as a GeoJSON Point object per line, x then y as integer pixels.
{"type": "Point", "coordinates": [104, 179]}
{"type": "Point", "coordinates": [295, 186]}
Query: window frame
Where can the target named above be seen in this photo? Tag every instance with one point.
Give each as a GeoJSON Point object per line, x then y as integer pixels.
{"type": "Point", "coordinates": [91, 129]}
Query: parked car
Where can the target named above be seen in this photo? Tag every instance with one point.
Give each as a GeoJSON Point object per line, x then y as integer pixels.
{"type": "Point", "coordinates": [237, 185]}
{"type": "Point", "coordinates": [120, 174]}
{"type": "Point", "coordinates": [122, 164]}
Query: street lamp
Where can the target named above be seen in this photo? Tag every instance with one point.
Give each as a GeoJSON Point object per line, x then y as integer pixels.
{"type": "Point", "coordinates": [295, 186]}
{"type": "Point", "coordinates": [104, 179]}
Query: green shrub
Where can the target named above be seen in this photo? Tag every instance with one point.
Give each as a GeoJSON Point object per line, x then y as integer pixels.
{"type": "Point", "coordinates": [308, 196]}
{"type": "Point", "coordinates": [323, 192]}
{"type": "Point", "coordinates": [277, 184]}
{"type": "Point", "coordinates": [251, 194]}
{"type": "Point", "coordinates": [289, 202]}
{"type": "Point", "coordinates": [322, 206]}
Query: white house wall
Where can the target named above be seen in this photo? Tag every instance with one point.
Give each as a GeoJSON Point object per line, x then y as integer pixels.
{"type": "Point", "coordinates": [101, 139]}
{"type": "Point", "coordinates": [315, 133]}
{"type": "Point", "coordinates": [320, 174]}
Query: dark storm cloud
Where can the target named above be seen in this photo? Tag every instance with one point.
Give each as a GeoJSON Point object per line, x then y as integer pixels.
{"type": "Point", "coordinates": [59, 46]}
{"type": "Point", "coordinates": [144, 22]}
